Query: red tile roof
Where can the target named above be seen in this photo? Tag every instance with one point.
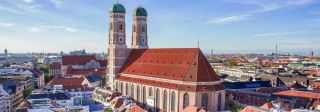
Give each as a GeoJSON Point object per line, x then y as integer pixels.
{"type": "Point", "coordinates": [253, 109]}
{"type": "Point", "coordinates": [216, 87]}
{"type": "Point", "coordinates": [193, 108]}
{"type": "Point", "coordinates": [296, 93]}
{"type": "Point", "coordinates": [136, 108]}
{"type": "Point", "coordinates": [267, 105]}
{"type": "Point", "coordinates": [85, 71]}
{"type": "Point", "coordinates": [183, 64]}
{"type": "Point", "coordinates": [67, 81]}
{"type": "Point", "coordinates": [316, 84]}
{"type": "Point", "coordinates": [77, 59]}
{"type": "Point", "coordinates": [55, 65]}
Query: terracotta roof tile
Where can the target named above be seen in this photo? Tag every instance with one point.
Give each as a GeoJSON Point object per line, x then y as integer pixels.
{"type": "Point", "coordinates": [55, 65]}
{"type": "Point", "coordinates": [183, 64]}
{"type": "Point", "coordinates": [77, 59]}
{"type": "Point", "coordinates": [67, 81]}
{"type": "Point", "coordinates": [296, 93]}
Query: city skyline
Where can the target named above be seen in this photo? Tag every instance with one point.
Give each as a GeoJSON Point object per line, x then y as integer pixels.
{"type": "Point", "coordinates": [59, 25]}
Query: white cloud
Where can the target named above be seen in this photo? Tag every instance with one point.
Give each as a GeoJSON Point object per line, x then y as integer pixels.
{"type": "Point", "coordinates": [263, 6]}
{"type": "Point", "coordinates": [56, 2]}
{"type": "Point", "coordinates": [10, 10]}
{"type": "Point", "coordinates": [279, 34]}
{"type": "Point", "coordinates": [228, 19]}
{"type": "Point", "coordinates": [44, 28]}
{"type": "Point", "coordinates": [2, 24]}
{"type": "Point", "coordinates": [37, 29]}
{"type": "Point", "coordinates": [28, 1]}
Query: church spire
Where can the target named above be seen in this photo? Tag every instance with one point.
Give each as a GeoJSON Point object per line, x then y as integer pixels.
{"type": "Point", "coordinates": [139, 28]}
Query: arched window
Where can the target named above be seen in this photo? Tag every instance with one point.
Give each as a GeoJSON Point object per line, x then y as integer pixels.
{"type": "Point", "coordinates": [150, 91]}
{"type": "Point", "coordinates": [144, 94]}
{"type": "Point", "coordinates": [219, 101]}
{"type": "Point", "coordinates": [132, 91]}
{"type": "Point", "coordinates": [138, 93]}
{"type": "Point", "coordinates": [121, 87]}
{"type": "Point", "coordinates": [127, 89]}
{"type": "Point", "coordinates": [116, 86]}
{"type": "Point", "coordinates": [173, 101]}
{"type": "Point", "coordinates": [205, 100]}
{"type": "Point", "coordinates": [164, 104]}
{"type": "Point", "coordinates": [158, 98]}
{"type": "Point", "coordinates": [120, 27]}
{"type": "Point", "coordinates": [185, 100]}
{"type": "Point", "coordinates": [142, 29]}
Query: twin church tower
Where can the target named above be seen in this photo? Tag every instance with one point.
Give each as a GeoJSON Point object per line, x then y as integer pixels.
{"type": "Point", "coordinates": [117, 49]}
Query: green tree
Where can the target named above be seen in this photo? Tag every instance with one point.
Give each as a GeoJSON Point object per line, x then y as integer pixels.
{"type": "Point", "coordinates": [27, 92]}
{"type": "Point", "coordinates": [48, 77]}
{"type": "Point", "coordinates": [231, 63]}
{"type": "Point", "coordinates": [234, 106]}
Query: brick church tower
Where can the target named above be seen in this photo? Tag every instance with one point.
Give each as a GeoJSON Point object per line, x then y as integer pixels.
{"type": "Point", "coordinates": [139, 29]}
{"type": "Point", "coordinates": [117, 49]}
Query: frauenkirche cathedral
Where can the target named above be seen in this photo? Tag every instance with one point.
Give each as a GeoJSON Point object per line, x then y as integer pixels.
{"type": "Point", "coordinates": [169, 79]}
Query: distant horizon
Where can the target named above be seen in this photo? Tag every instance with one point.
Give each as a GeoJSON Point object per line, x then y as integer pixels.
{"type": "Point", "coordinates": [222, 25]}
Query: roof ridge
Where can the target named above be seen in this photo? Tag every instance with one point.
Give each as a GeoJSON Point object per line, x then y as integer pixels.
{"type": "Point", "coordinates": [187, 70]}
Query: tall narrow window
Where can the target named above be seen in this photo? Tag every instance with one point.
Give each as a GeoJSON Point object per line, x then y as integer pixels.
{"type": "Point", "coordinates": [144, 94]}
{"type": "Point", "coordinates": [142, 29]}
{"type": "Point", "coordinates": [127, 89]}
{"type": "Point", "coordinates": [121, 27]}
{"type": "Point", "coordinates": [132, 91]}
{"type": "Point", "coordinates": [173, 101]}
{"type": "Point", "coordinates": [116, 86]}
{"type": "Point", "coordinates": [138, 93]}
{"type": "Point", "coordinates": [150, 92]}
{"type": "Point", "coordinates": [134, 28]}
{"type": "Point", "coordinates": [164, 104]}
{"type": "Point", "coordinates": [158, 99]}
{"type": "Point", "coordinates": [185, 100]}
{"type": "Point", "coordinates": [219, 101]}
{"type": "Point", "coordinates": [121, 87]}
{"type": "Point", "coordinates": [204, 100]}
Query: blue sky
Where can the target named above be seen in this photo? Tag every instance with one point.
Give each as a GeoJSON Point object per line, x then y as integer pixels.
{"type": "Point", "coordinates": [226, 26]}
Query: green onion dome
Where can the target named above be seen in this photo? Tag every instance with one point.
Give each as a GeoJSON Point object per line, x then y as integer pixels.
{"type": "Point", "coordinates": [117, 8]}
{"type": "Point", "coordinates": [140, 11]}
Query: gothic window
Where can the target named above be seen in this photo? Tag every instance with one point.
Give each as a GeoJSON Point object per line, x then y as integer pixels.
{"type": "Point", "coordinates": [185, 100]}
{"type": "Point", "coordinates": [205, 100]}
{"type": "Point", "coordinates": [219, 101]}
{"type": "Point", "coordinates": [132, 91]}
{"type": "Point", "coordinates": [121, 88]}
{"type": "Point", "coordinates": [142, 29]}
{"type": "Point", "coordinates": [127, 89]}
{"type": "Point", "coordinates": [158, 98]}
{"type": "Point", "coordinates": [120, 27]}
{"type": "Point", "coordinates": [116, 86]}
{"type": "Point", "coordinates": [150, 91]}
{"type": "Point", "coordinates": [173, 101]}
{"type": "Point", "coordinates": [120, 39]}
{"type": "Point", "coordinates": [138, 93]}
{"type": "Point", "coordinates": [164, 104]}
{"type": "Point", "coordinates": [144, 94]}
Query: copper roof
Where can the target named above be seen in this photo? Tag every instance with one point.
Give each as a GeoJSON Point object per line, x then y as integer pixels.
{"type": "Point", "coordinates": [183, 64]}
